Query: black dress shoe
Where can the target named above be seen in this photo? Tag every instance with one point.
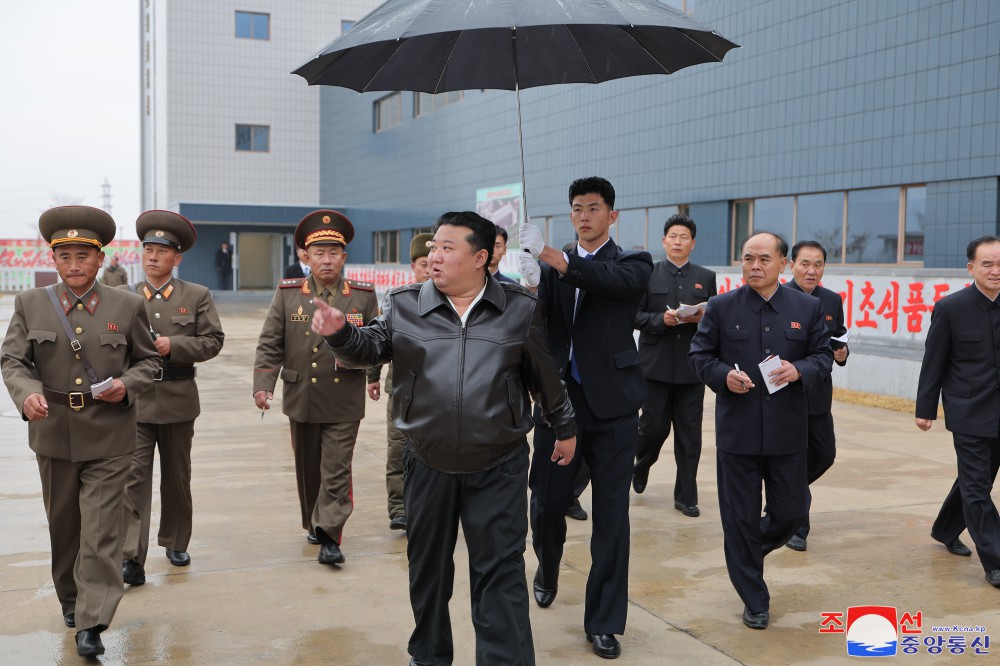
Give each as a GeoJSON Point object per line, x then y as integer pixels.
{"type": "Point", "coordinates": [797, 543]}
{"type": "Point", "coordinates": [88, 643]}
{"type": "Point", "coordinates": [417, 662]}
{"type": "Point", "coordinates": [312, 538]}
{"type": "Point", "coordinates": [690, 511]}
{"type": "Point", "coordinates": [575, 511]}
{"type": "Point", "coordinates": [544, 596]}
{"type": "Point", "coordinates": [178, 558]}
{"type": "Point", "coordinates": [605, 645]}
{"type": "Point", "coordinates": [330, 554]}
{"type": "Point", "coordinates": [956, 547]}
{"type": "Point", "coordinates": [755, 620]}
{"type": "Point", "coordinates": [993, 577]}
{"type": "Point", "coordinates": [70, 619]}
{"type": "Point", "coordinates": [640, 477]}
{"type": "Point", "coordinates": [398, 522]}
{"type": "Point", "coordinates": [133, 573]}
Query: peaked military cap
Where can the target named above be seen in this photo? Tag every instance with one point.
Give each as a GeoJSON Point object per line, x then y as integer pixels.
{"type": "Point", "coordinates": [166, 228]}
{"type": "Point", "coordinates": [323, 227]}
{"type": "Point", "coordinates": [76, 224]}
{"type": "Point", "coordinates": [418, 246]}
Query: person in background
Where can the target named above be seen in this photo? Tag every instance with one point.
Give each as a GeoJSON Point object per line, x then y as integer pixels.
{"type": "Point", "coordinates": [499, 250]}
{"type": "Point", "coordinates": [300, 268]}
{"type": "Point", "coordinates": [114, 275]}
{"type": "Point", "coordinates": [224, 266]}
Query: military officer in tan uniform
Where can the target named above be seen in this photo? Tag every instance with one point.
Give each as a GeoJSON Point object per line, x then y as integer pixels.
{"type": "Point", "coordinates": [186, 330]}
{"type": "Point", "coordinates": [324, 402]}
{"type": "Point", "coordinates": [75, 374]}
{"type": "Point", "coordinates": [421, 267]}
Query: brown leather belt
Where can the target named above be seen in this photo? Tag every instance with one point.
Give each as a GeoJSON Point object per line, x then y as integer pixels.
{"type": "Point", "coordinates": [76, 400]}
{"type": "Point", "coordinates": [169, 373]}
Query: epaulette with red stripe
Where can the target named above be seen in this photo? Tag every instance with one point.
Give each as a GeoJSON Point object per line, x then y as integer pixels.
{"type": "Point", "coordinates": [360, 284]}
{"type": "Point", "coordinates": [291, 283]}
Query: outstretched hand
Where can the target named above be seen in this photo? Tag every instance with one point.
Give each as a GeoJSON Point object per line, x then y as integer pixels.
{"type": "Point", "coordinates": [326, 320]}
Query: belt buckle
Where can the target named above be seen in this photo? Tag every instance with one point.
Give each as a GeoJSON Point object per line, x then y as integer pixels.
{"type": "Point", "coordinates": [76, 401]}
{"type": "Point", "coordinates": [158, 375]}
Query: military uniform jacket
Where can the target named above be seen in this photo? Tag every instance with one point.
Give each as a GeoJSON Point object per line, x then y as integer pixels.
{"type": "Point", "coordinates": [316, 388]}
{"type": "Point", "coordinates": [962, 364]}
{"type": "Point", "coordinates": [185, 313]}
{"type": "Point", "coordinates": [114, 277]}
{"type": "Point", "coordinates": [739, 327]}
{"type": "Point", "coordinates": [664, 349]}
{"type": "Point", "coordinates": [820, 395]}
{"type": "Point", "coordinates": [114, 332]}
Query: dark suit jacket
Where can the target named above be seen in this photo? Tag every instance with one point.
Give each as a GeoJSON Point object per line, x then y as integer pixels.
{"type": "Point", "coordinates": [740, 328]}
{"type": "Point", "coordinates": [664, 349]}
{"type": "Point", "coordinates": [821, 394]}
{"type": "Point", "coordinates": [610, 288]}
{"type": "Point", "coordinates": [960, 365]}
{"type": "Point", "coordinates": [294, 271]}
{"type": "Point", "coordinates": [500, 277]}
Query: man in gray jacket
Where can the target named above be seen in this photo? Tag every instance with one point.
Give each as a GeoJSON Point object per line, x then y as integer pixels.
{"type": "Point", "coordinates": [466, 351]}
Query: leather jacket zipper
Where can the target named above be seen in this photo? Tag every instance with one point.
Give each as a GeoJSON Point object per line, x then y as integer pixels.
{"type": "Point", "coordinates": [461, 375]}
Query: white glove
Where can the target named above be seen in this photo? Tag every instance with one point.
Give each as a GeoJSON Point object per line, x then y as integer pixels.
{"type": "Point", "coordinates": [530, 237]}
{"type": "Point", "coordinates": [531, 272]}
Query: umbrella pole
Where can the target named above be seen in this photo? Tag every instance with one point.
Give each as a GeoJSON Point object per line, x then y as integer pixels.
{"type": "Point", "coordinates": [520, 138]}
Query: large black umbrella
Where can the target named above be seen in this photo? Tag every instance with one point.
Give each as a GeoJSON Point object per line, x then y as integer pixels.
{"type": "Point", "coordinates": [437, 46]}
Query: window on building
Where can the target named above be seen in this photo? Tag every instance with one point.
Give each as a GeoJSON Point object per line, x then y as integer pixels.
{"type": "Point", "coordinates": [345, 26]}
{"type": "Point", "coordinates": [253, 138]}
{"type": "Point", "coordinates": [561, 232]}
{"type": "Point", "coordinates": [913, 228]}
{"type": "Point", "coordinates": [427, 103]}
{"type": "Point", "coordinates": [741, 226]}
{"type": "Point", "coordinates": [776, 215]}
{"type": "Point", "coordinates": [630, 229]}
{"type": "Point", "coordinates": [253, 25]}
{"type": "Point", "coordinates": [820, 218]}
{"type": "Point", "coordinates": [872, 226]}
{"type": "Point", "coordinates": [387, 247]}
{"type": "Point", "coordinates": [388, 111]}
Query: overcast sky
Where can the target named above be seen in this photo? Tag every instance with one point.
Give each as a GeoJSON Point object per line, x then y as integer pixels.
{"type": "Point", "coordinates": [69, 108]}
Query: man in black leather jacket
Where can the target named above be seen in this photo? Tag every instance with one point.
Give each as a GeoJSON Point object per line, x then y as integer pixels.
{"type": "Point", "coordinates": [466, 351]}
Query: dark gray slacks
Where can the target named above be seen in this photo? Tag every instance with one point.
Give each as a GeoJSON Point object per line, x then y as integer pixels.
{"type": "Point", "coordinates": [748, 536]}
{"type": "Point", "coordinates": [176, 506]}
{"type": "Point", "coordinates": [950, 521]}
{"type": "Point", "coordinates": [492, 508]}
{"type": "Point", "coordinates": [978, 462]}
{"type": "Point", "coordinates": [324, 453]}
{"type": "Point", "coordinates": [819, 457]}
{"type": "Point", "coordinates": [395, 442]}
{"type": "Point", "coordinates": [681, 406]}
{"type": "Point", "coordinates": [83, 504]}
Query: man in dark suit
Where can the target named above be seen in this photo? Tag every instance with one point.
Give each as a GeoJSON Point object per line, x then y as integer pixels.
{"type": "Point", "coordinates": [961, 360]}
{"type": "Point", "coordinates": [588, 297]}
{"type": "Point", "coordinates": [808, 264]}
{"type": "Point", "coordinates": [675, 395]}
{"type": "Point", "coordinates": [761, 436]}
{"type": "Point", "coordinates": [300, 269]}
{"type": "Point", "coordinates": [224, 266]}
{"type": "Point", "coordinates": [499, 250]}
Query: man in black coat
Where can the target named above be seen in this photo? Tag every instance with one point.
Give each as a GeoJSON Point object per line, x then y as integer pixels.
{"type": "Point", "coordinates": [962, 366]}
{"type": "Point", "coordinates": [808, 264]}
{"type": "Point", "coordinates": [300, 268]}
{"type": "Point", "coordinates": [675, 395]}
{"type": "Point", "coordinates": [588, 297]}
{"type": "Point", "coordinates": [761, 436]}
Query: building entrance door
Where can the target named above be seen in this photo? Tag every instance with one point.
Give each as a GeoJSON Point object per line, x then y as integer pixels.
{"type": "Point", "coordinates": [259, 260]}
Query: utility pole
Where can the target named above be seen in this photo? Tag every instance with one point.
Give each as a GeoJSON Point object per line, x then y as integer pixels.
{"type": "Point", "coordinates": [106, 205]}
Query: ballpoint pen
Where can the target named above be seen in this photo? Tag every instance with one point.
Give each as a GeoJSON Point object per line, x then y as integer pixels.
{"type": "Point", "coordinates": [740, 372]}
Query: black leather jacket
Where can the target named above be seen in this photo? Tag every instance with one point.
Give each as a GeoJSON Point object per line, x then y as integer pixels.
{"type": "Point", "coordinates": [460, 394]}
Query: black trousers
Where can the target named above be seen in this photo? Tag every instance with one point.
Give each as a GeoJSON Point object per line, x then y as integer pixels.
{"type": "Point", "coordinates": [819, 457]}
{"type": "Point", "coordinates": [608, 448]}
{"type": "Point", "coordinates": [748, 536]}
{"type": "Point", "coordinates": [680, 406]}
{"type": "Point", "coordinates": [969, 502]}
{"type": "Point", "coordinates": [492, 508]}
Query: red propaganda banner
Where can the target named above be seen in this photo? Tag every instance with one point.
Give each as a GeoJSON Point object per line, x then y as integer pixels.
{"type": "Point", "coordinates": [35, 253]}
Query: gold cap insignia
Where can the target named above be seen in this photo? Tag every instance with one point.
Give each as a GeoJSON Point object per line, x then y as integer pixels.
{"type": "Point", "coordinates": [326, 219]}
{"type": "Point", "coordinates": [72, 233]}
{"type": "Point", "coordinates": [159, 234]}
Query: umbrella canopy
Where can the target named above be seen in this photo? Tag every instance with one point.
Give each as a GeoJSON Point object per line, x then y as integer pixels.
{"type": "Point", "coordinates": [436, 46]}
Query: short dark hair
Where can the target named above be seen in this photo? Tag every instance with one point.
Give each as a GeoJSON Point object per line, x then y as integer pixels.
{"type": "Point", "coordinates": [782, 245]}
{"type": "Point", "coordinates": [593, 185]}
{"type": "Point", "coordinates": [500, 232]}
{"type": "Point", "coordinates": [970, 251]}
{"type": "Point", "coordinates": [482, 235]}
{"type": "Point", "coordinates": [680, 220]}
{"type": "Point", "coordinates": [803, 244]}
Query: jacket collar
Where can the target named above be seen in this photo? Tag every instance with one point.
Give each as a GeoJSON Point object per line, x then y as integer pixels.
{"type": "Point", "coordinates": [757, 301]}
{"type": "Point", "coordinates": [431, 298]}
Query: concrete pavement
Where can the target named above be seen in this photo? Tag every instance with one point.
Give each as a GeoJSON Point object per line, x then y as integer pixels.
{"type": "Point", "coordinates": [254, 592]}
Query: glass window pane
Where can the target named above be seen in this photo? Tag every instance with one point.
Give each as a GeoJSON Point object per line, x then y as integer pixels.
{"type": "Point", "coordinates": [242, 137]}
{"type": "Point", "coordinates": [631, 233]}
{"type": "Point", "coordinates": [261, 26]}
{"type": "Point", "coordinates": [261, 138]}
{"type": "Point", "coordinates": [821, 219]}
{"type": "Point", "coordinates": [916, 209]}
{"type": "Point", "coordinates": [243, 23]}
{"type": "Point", "coordinates": [741, 226]}
{"type": "Point", "coordinates": [654, 234]}
{"type": "Point", "coordinates": [345, 26]}
{"type": "Point", "coordinates": [774, 215]}
{"type": "Point", "coordinates": [561, 232]}
{"type": "Point", "coordinates": [872, 226]}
